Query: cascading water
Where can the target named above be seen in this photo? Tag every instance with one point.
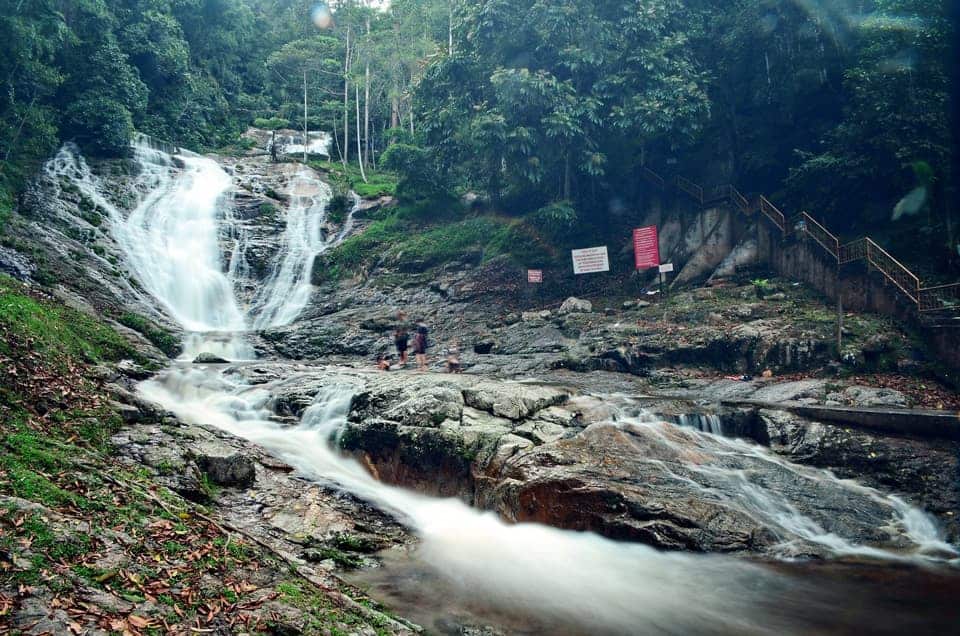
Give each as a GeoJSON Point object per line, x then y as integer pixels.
{"type": "Point", "coordinates": [172, 241]}
{"type": "Point", "coordinates": [573, 582]}
{"type": "Point", "coordinates": [576, 582]}
{"type": "Point", "coordinates": [288, 288]}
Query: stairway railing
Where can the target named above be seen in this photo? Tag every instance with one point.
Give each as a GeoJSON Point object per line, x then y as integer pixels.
{"type": "Point", "coordinates": [820, 234]}
{"type": "Point", "coordinates": [941, 298]}
{"type": "Point", "coordinates": [773, 213]}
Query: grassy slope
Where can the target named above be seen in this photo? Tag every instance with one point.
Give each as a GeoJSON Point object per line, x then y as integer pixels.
{"type": "Point", "coordinates": [72, 519]}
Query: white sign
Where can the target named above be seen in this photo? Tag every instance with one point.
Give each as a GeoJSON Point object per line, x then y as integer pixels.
{"type": "Point", "coordinates": [666, 267]}
{"type": "Point", "coordinates": [591, 260]}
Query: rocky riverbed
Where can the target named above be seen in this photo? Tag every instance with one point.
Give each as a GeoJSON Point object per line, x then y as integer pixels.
{"type": "Point", "coordinates": [614, 413]}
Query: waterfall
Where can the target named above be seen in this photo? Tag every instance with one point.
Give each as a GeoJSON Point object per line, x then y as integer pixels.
{"type": "Point", "coordinates": [173, 241]}
{"type": "Point", "coordinates": [288, 288]}
{"type": "Point", "coordinates": [600, 585]}
{"type": "Point", "coordinates": [704, 422]}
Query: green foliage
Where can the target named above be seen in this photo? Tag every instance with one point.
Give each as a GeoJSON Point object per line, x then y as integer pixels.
{"type": "Point", "coordinates": [379, 182]}
{"type": "Point", "coordinates": [557, 220]}
{"type": "Point", "coordinates": [272, 123]}
{"type": "Point", "coordinates": [539, 95]}
{"type": "Point", "coordinates": [103, 126]}
{"type": "Point", "coordinates": [6, 204]}
{"type": "Point", "coordinates": [57, 331]}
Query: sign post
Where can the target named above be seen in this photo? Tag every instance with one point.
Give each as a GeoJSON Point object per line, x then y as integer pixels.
{"type": "Point", "coordinates": [646, 247]}
{"type": "Point", "coordinates": [534, 275]}
{"type": "Point", "coordinates": [591, 260]}
{"type": "Point", "coordinates": [663, 269]}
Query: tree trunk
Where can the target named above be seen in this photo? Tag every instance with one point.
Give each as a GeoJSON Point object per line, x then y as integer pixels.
{"type": "Point", "coordinates": [566, 177]}
{"type": "Point", "coordinates": [336, 139]}
{"type": "Point", "coordinates": [363, 175]}
{"type": "Point", "coordinates": [450, 28]}
{"type": "Point", "coordinates": [366, 103]}
{"type": "Point", "coordinates": [346, 103]}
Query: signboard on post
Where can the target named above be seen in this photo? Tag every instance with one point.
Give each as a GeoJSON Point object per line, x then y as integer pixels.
{"type": "Point", "coordinates": [534, 275]}
{"type": "Point", "coordinates": [646, 247]}
{"type": "Point", "coordinates": [666, 268]}
{"type": "Point", "coordinates": [591, 260]}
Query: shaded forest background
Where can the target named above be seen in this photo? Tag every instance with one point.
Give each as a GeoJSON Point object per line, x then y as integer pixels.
{"type": "Point", "coordinates": [544, 109]}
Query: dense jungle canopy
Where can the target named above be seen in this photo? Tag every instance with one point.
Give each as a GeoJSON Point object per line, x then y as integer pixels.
{"type": "Point", "coordinates": [545, 109]}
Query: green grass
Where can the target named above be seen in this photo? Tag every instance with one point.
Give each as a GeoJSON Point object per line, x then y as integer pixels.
{"type": "Point", "coordinates": [56, 331]}
{"type": "Point", "coordinates": [379, 183]}
{"type": "Point", "coordinates": [161, 339]}
{"type": "Point", "coordinates": [404, 237]}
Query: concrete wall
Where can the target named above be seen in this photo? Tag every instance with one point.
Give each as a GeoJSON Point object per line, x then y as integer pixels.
{"type": "Point", "coordinates": [860, 288]}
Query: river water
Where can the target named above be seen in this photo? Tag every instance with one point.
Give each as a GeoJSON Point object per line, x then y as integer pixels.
{"type": "Point", "coordinates": [469, 566]}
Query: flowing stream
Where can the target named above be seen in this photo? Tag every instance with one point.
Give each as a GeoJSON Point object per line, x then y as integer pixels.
{"type": "Point", "coordinates": [561, 582]}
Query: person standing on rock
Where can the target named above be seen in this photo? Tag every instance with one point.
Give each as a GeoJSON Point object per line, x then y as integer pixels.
{"type": "Point", "coordinates": [401, 337]}
{"type": "Point", "coordinates": [420, 345]}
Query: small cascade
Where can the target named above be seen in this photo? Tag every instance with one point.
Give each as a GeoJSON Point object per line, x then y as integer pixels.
{"type": "Point", "coordinates": [703, 422]}
{"type": "Point", "coordinates": [317, 144]}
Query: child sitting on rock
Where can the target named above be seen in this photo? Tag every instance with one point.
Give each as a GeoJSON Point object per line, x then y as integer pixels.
{"type": "Point", "coordinates": [453, 358]}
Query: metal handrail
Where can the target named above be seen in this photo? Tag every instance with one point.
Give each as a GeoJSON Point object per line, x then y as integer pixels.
{"type": "Point", "coordinates": [773, 213]}
{"type": "Point", "coordinates": [652, 177]}
{"type": "Point", "coordinates": [739, 200]}
{"type": "Point", "coordinates": [927, 299]}
{"type": "Point", "coordinates": [892, 269]}
{"type": "Point", "coordinates": [821, 235]}
{"type": "Point", "coordinates": [940, 298]}
{"type": "Point", "coordinates": [689, 187]}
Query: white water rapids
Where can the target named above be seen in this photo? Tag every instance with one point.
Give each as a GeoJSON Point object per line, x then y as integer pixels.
{"type": "Point", "coordinates": [172, 242]}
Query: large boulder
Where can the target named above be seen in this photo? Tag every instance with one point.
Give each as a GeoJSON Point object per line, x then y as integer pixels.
{"type": "Point", "coordinates": [574, 305]}
{"type": "Point", "coordinates": [233, 471]}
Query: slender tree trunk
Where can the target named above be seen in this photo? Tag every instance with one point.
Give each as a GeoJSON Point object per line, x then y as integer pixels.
{"type": "Point", "coordinates": [450, 28]}
{"type": "Point", "coordinates": [306, 129]}
{"type": "Point", "coordinates": [411, 117]}
{"type": "Point", "coordinates": [566, 177]}
{"type": "Point", "coordinates": [366, 101]}
{"type": "Point", "coordinates": [346, 103]}
{"type": "Point", "coordinates": [359, 152]}
{"type": "Point", "coordinates": [336, 139]}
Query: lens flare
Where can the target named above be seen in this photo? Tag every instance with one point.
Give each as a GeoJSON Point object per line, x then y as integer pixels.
{"type": "Point", "coordinates": [321, 16]}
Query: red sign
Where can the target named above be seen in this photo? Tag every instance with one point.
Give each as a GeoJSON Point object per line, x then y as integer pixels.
{"type": "Point", "coordinates": [646, 247]}
{"type": "Point", "coordinates": [534, 275]}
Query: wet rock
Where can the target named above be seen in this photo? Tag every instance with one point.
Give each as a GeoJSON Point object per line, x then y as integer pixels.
{"type": "Point", "coordinates": [133, 370]}
{"type": "Point", "coordinates": [925, 471]}
{"type": "Point", "coordinates": [535, 316]}
{"type": "Point", "coordinates": [14, 264]}
{"type": "Point", "coordinates": [128, 413]}
{"type": "Point", "coordinates": [209, 358]}
{"type": "Point", "coordinates": [236, 470]}
{"type": "Point", "coordinates": [484, 345]}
